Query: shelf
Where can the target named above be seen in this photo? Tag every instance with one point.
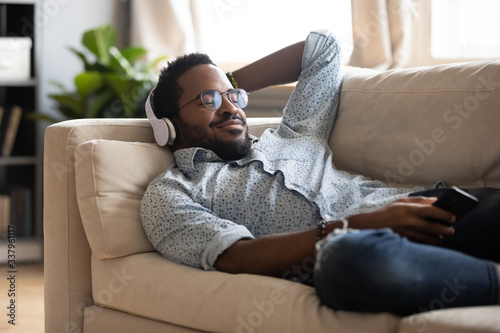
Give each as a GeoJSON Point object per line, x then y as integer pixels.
{"type": "Point", "coordinates": [18, 83]}
{"type": "Point", "coordinates": [26, 249]}
{"type": "Point", "coordinates": [18, 160]}
{"type": "Point", "coordinates": [19, 2]}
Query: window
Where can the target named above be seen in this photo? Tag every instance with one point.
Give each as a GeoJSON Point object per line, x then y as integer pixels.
{"type": "Point", "coordinates": [465, 28]}
{"type": "Point", "coordinates": [243, 31]}
{"type": "Point", "coordinates": [455, 30]}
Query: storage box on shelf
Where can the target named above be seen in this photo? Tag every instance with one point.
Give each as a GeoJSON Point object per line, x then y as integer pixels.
{"type": "Point", "coordinates": [15, 58]}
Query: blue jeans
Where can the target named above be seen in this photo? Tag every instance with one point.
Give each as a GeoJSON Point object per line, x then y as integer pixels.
{"type": "Point", "coordinates": [379, 271]}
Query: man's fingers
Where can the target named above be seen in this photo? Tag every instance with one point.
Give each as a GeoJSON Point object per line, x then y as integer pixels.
{"type": "Point", "coordinates": [436, 228]}
{"type": "Point", "coordinates": [418, 199]}
{"type": "Point", "coordinates": [424, 209]}
{"type": "Point", "coordinates": [422, 237]}
{"type": "Point", "coordinates": [436, 213]}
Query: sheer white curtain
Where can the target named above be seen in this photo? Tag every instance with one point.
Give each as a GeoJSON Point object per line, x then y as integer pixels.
{"type": "Point", "coordinates": [234, 32]}
{"type": "Point", "coordinates": [164, 27]}
{"type": "Point", "coordinates": [381, 33]}
{"type": "Point", "coordinates": [378, 35]}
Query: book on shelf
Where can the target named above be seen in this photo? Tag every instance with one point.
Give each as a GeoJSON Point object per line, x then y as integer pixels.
{"type": "Point", "coordinates": [16, 210]}
{"type": "Point", "coordinates": [10, 119]}
{"type": "Point", "coordinates": [4, 215]}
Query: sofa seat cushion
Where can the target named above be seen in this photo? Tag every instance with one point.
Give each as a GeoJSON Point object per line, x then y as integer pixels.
{"type": "Point", "coordinates": [416, 126]}
{"type": "Point", "coordinates": [150, 286]}
{"type": "Point", "coordinates": [481, 319]}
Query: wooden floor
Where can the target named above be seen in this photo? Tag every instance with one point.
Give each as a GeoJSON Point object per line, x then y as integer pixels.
{"type": "Point", "coordinates": [28, 285]}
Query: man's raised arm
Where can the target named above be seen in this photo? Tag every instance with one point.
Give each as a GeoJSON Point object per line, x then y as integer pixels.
{"type": "Point", "coordinates": [280, 67]}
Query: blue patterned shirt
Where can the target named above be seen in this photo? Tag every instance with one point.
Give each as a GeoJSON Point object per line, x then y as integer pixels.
{"type": "Point", "coordinates": [202, 205]}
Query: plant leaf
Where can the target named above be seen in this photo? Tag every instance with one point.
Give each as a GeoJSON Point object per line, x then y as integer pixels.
{"type": "Point", "coordinates": [133, 53]}
{"type": "Point", "coordinates": [71, 102]}
{"type": "Point", "coordinates": [152, 66]}
{"type": "Point", "coordinates": [88, 82]}
{"type": "Point", "coordinates": [116, 84]}
{"type": "Point", "coordinates": [123, 62]}
{"type": "Point", "coordinates": [119, 83]}
{"type": "Point", "coordinates": [81, 56]}
{"type": "Point", "coordinates": [59, 85]}
{"type": "Point", "coordinates": [98, 102]}
{"type": "Point", "coordinates": [41, 116]}
{"type": "Point", "coordinates": [131, 92]}
{"type": "Point", "coordinates": [99, 40]}
{"type": "Point", "coordinates": [126, 91]}
{"type": "Point", "coordinates": [158, 60]}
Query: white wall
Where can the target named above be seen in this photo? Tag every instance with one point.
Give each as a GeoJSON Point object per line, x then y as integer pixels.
{"type": "Point", "coordinates": [61, 24]}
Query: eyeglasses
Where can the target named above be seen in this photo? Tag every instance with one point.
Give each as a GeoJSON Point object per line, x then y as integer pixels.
{"type": "Point", "coordinates": [212, 99]}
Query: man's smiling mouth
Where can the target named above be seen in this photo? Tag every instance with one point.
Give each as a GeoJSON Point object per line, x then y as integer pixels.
{"type": "Point", "coordinates": [229, 121]}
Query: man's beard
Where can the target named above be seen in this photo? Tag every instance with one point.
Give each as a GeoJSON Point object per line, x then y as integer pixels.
{"type": "Point", "coordinates": [232, 150]}
{"type": "Point", "coordinates": [226, 150]}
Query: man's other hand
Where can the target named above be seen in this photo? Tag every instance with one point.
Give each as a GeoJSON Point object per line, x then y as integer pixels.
{"type": "Point", "coordinates": [409, 217]}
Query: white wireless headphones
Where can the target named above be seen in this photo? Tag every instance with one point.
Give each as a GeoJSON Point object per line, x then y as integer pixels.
{"type": "Point", "coordinates": [163, 129]}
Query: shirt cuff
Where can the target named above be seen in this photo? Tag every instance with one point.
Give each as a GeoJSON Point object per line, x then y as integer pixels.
{"type": "Point", "coordinates": [221, 242]}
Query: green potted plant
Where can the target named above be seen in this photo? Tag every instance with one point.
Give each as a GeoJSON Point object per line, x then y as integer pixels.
{"type": "Point", "coordinates": [114, 85]}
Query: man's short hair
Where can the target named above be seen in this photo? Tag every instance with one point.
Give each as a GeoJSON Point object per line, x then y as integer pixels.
{"type": "Point", "coordinates": [168, 92]}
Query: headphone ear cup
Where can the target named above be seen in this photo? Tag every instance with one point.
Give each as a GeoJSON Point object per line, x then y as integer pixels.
{"type": "Point", "coordinates": [163, 129]}
{"type": "Point", "coordinates": [172, 134]}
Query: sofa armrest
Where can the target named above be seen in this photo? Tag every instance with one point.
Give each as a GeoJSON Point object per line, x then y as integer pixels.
{"type": "Point", "coordinates": [68, 287]}
{"type": "Point", "coordinates": [66, 250]}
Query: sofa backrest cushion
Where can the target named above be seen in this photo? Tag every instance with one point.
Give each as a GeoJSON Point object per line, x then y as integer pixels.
{"type": "Point", "coordinates": [416, 126]}
{"type": "Point", "coordinates": [111, 178]}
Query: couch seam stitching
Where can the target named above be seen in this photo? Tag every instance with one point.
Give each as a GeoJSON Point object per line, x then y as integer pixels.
{"type": "Point", "coordinates": [97, 199]}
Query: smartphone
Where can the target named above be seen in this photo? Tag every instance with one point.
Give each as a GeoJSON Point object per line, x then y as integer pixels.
{"type": "Point", "coordinates": [457, 202]}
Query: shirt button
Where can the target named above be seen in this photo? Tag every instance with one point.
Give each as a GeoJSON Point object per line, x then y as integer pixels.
{"type": "Point", "coordinates": [209, 155]}
{"type": "Point", "coordinates": [328, 217]}
{"type": "Point", "coordinates": [292, 187]}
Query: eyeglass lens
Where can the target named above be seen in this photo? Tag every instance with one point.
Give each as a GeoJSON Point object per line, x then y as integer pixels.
{"type": "Point", "coordinates": [212, 99]}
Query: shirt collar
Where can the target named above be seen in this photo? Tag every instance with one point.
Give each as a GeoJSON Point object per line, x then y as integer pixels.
{"type": "Point", "coordinates": [187, 158]}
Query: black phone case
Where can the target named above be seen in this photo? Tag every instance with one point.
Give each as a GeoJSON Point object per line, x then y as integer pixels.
{"type": "Point", "coordinates": [457, 202]}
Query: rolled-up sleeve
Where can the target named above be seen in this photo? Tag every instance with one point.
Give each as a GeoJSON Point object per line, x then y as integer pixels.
{"type": "Point", "coordinates": [313, 105]}
{"type": "Point", "coordinates": [184, 231]}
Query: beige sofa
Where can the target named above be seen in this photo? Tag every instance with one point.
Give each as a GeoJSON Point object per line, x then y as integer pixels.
{"type": "Point", "coordinates": [406, 127]}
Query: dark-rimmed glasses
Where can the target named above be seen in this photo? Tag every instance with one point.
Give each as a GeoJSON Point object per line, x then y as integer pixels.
{"type": "Point", "coordinates": [212, 99]}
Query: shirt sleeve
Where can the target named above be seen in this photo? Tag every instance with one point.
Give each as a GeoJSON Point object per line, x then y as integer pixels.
{"type": "Point", "coordinates": [313, 105]}
{"type": "Point", "coordinates": [184, 231]}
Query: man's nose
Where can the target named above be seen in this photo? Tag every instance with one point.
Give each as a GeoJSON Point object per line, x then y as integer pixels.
{"type": "Point", "coordinates": [227, 106]}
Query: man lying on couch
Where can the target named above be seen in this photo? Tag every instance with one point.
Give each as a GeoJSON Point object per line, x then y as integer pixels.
{"type": "Point", "coordinates": [239, 204]}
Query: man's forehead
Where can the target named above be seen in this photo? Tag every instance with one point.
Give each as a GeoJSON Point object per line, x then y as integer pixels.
{"type": "Point", "coordinates": [203, 77]}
